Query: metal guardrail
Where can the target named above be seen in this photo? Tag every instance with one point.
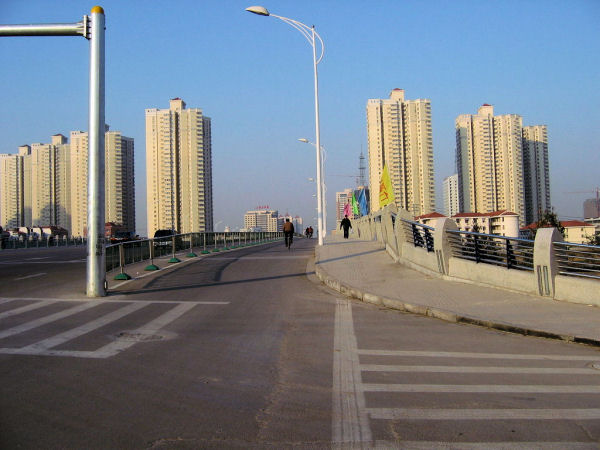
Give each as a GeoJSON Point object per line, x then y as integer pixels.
{"type": "Point", "coordinates": [129, 252]}
{"type": "Point", "coordinates": [577, 260]}
{"type": "Point", "coordinates": [11, 243]}
{"type": "Point", "coordinates": [419, 235]}
{"type": "Point", "coordinates": [509, 252]}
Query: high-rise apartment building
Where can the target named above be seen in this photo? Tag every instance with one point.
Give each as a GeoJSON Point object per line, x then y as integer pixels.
{"type": "Point", "coordinates": [50, 183]}
{"type": "Point", "coordinates": [450, 187]}
{"type": "Point", "coordinates": [591, 208]}
{"type": "Point", "coordinates": [178, 169]}
{"type": "Point", "coordinates": [490, 155]}
{"type": "Point", "coordinates": [11, 191]}
{"type": "Point", "coordinates": [536, 172]}
{"type": "Point", "coordinates": [119, 180]}
{"type": "Point", "coordinates": [399, 136]}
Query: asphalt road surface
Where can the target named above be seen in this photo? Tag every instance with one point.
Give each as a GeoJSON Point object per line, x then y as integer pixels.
{"type": "Point", "coordinates": [247, 349]}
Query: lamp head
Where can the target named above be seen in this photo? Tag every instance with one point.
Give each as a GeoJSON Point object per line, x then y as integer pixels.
{"type": "Point", "coordinates": [260, 10]}
{"type": "Point", "coordinates": [306, 141]}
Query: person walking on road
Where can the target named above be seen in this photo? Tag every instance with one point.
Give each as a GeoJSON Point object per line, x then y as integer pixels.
{"type": "Point", "coordinates": [345, 223]}
{"type": "Point", "coordinates": [288, 231]}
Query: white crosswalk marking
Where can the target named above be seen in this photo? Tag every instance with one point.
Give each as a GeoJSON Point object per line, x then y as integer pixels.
{"type": "Point", "coordinates": [356, 399]}
{"type": "Point", "coordinates": [47, 346]}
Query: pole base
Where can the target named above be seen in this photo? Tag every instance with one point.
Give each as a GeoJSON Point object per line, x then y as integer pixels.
{"type": "Point", "coordinates": [204, 252]}
{"type": "Point", "coordinates": [216, 250]}
{"type": "Point", "coordinates": [151, 267]}
{"type": "Point", "coordinates": [191, 255]}
{"type": "Point", "coordinates": [122, 276]}
{"type": "Point", "coordinates": [174, 260]}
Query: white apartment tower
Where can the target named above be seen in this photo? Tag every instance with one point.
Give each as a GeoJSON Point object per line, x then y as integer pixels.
{"type": "Point", "coordinates": [451, 195]}
{"type": "Point", "coordinates": [119, 180]}
{"type": "Point", "coordinates": [489, 159]}
{"type": "Point", "coordinates": [178, 169]}
{"type": "Point", "coordinates": [501, 164]}
{"type": "Point", "coordinates": [341, 199]}
{"type": "Point", "coordinates": [11, 191]}
{"type": "Point", "coordinates": [50, 183]}
{"type": "Point", "coordinates": [399, 135]}
{"type": "Point", "coordinates": [536, 172]}
{"type": "Point", "coordinates": [263, 220]}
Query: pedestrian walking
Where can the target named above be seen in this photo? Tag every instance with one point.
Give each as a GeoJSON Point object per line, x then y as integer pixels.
{"type": "Point", "coordinates": [345, 223]}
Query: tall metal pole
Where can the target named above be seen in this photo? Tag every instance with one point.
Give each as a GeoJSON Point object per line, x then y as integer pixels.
{"type": "Point", "coordinates": [96, 267]}
{"type": "Point", "coordinates": [318, 146]}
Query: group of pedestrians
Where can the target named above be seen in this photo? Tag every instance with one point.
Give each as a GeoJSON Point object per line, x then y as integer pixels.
{"type": "Point", "coordinates": [288, 230]}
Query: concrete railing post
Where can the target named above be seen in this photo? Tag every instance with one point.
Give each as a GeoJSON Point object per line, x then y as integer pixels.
{"type": "Point", "coordinates": [401, 234]}
{"type": "Point", "coordinates": [441, 243]}
{"type": "Point", "coordinates": [544, 260]}
{"type": "Point", "coordinates": [387, 229]}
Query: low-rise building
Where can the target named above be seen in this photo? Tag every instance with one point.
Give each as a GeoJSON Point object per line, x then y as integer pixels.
{"type": "Point", "coordinates": [502, 223]}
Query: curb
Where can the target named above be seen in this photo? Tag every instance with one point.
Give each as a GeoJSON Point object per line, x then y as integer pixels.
{"type": "Point", "coordinates": [448, 316]}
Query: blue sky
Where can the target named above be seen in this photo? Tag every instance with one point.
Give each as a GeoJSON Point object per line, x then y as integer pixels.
{"type": "Point", "coordinates": [253, 76]}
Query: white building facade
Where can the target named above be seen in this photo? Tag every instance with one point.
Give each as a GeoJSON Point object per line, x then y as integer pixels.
{"type": "Point", "coordinates": [178, 169]}
{"type": "Point", "coordinates": [400, 136]}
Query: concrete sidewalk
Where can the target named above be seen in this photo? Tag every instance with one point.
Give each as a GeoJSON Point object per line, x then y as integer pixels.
{"type": "Point", "coordinates": [363, 270]}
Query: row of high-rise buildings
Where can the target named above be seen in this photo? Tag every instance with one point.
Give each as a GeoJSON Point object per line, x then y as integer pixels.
{"type": "Point", "coordinates": [501, 164]}
{"type": "Point", "coordinates": [46, 184]}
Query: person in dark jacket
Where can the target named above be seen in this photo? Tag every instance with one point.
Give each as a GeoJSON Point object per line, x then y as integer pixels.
{"type": "Point", "coordinates": [288, 231]}
{"type": "Point", "coordinates": [345, 223]}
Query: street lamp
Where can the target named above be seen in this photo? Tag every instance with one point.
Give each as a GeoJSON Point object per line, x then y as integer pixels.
{"type": "Point", "coordinates": [311, 36]}
{"type": "Point", "coordinates": [323, 186]}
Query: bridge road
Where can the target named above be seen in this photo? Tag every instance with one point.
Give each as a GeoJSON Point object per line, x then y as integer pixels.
{"type": "Point", "coordinates": [246, 349]}
{"type": "Point", "coordinates": [53, 272]}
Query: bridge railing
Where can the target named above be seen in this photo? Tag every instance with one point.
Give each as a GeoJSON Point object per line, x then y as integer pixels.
{"type": "Point", "coordinates": [122, 254]}
{"type": "Point", "coordinates": [578, 260]}
{"type": "Point", "coordinates": [545, 266]}
{"type": "Point", "coordinates": [509, 252]}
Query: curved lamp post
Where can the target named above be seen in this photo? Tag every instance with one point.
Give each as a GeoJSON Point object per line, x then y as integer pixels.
{"type": "Point", "coordinates": [311, 36]}
{"type": "Point", "coordinates": [323, 186]}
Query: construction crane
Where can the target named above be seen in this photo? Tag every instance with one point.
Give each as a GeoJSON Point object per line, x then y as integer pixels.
{"type": "Point", "coordinates": [596, 191]}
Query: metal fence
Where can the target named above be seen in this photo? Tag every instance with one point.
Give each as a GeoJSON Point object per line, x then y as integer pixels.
{"type": "Point", "coordinates": [509, 252]}
{"type": "Point", "coordinates": [418, 234]}
{"type": "Point", "coordinates": [10, 243]}
{"type": "Point", "coordinates": [578, 260]}
{"type": "Point", "coordinates": [125, 253]}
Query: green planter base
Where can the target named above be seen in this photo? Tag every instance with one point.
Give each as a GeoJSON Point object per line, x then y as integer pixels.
{"type": "Point", "coordinates": [204, 252]}
{"type": "Point", "coordinates": [174, 260]}
{"type": "Point", "coordinates": [151, 267]}
{"type": "Point", "coordinates": [216, 250]}
{"type": "Point", "coordinates": [191, 255]}
{"type": "Point", "coordinates": [122, 276]}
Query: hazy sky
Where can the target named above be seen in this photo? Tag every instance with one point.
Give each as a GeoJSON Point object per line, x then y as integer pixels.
{"type": "Point", "coordinates": [253, 76]}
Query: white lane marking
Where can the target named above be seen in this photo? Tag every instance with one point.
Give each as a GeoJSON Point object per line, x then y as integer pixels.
{"type": "Point", "coordinates": [35, 275]}
{"type": "Point", "coordinates": [34, 259]}
{"type": "Point", "coordinates": [118, 300]}
{"type": "Point", "coordinates": [51, 318]}
{"type": "Point", "coordinates": [350, 424]}
{"type": "Point", "coordinates": [473, 355]}
{"type": "Point", "coordinates": [44, 347]}
{"type": "Point", "coordinates": [16, 311]}
{"type": "Point", "coordinates": [61, 338]}
{"type": "Point", "coordinates": [467, 369]}
{"type": "Point", "coordinates": [483, 414]}
{"type": "Point", "coordinates": [467, 388]}
{"type": "Point", "coordinates": [432, 445]}
{"type": "Point", "coordinates": [150, 328]}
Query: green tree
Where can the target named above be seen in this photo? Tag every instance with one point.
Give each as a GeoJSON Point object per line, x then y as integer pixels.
{"type": "Point", "coordinates": [595, 239]}
{"type": "Point", "coordinates": [550, 220]}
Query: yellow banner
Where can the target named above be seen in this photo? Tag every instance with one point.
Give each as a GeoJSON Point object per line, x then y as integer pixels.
{"type": "Point", "coordinates": [386, 193]}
